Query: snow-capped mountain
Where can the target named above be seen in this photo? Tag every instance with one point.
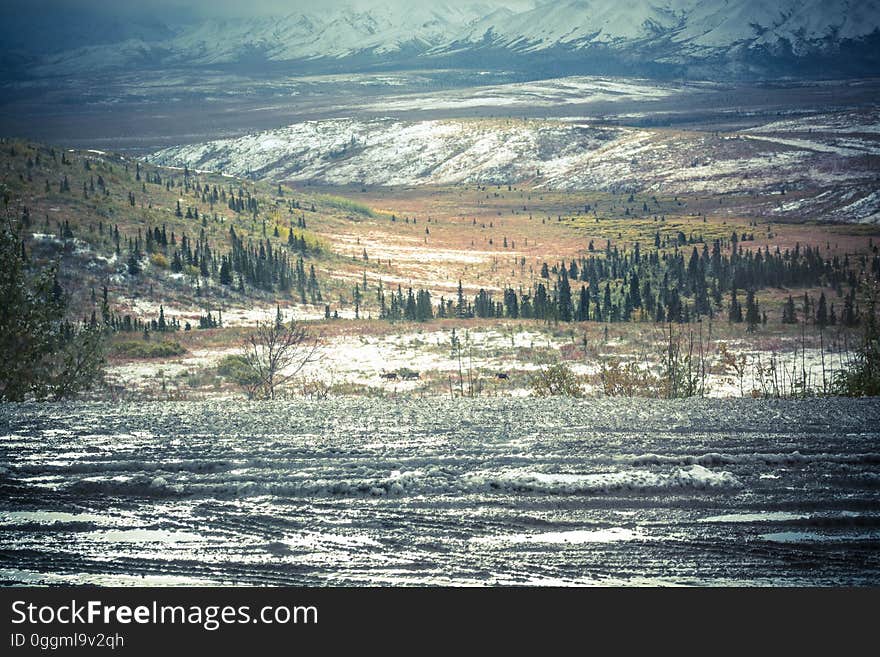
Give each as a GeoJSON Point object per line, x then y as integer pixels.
{"type": "Point", "coordinates": [323, 32]}
{"type": "Point", "coordinates": [731, 36]}
{"type": "Point", "coordinates": [328, 32]}
{"type": "Point", "coordinates": [578, 22]}
{"type": "Point", "coordinates": [716, 37]}
{"type": "Point", "coordinates": [690, 24]}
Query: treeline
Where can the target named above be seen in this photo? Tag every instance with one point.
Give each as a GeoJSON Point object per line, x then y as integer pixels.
{"type": "Point", "coordinates": [238, 199]}
{"type": "Point", "coordinates": [252, 264]}
{"type": "Point", "coordinates": [256, 264]}
{"type": "Point", "coordinates": [260, 265]}
{"type": "Point", "coordinates": [663, 286]}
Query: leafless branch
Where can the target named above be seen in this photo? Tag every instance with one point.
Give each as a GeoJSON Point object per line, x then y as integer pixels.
{"type": "Point", "coordinates": [276, 352]}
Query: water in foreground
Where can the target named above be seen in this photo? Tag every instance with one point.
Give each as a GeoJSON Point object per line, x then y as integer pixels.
{"type": "Point", "coordinates": [359, 491]}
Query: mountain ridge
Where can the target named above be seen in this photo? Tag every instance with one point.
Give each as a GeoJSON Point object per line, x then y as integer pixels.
{"type": "Point", "coordinates": [718, 38]}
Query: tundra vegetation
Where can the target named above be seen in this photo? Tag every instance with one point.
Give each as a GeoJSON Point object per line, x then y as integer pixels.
{"type": "Point", "coordinates": [168, 280]}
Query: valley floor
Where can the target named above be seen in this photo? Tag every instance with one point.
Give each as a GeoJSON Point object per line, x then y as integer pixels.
{"type": "Point", "coordinates": [498, 358]}
{"type": "Point", "coordinates": [494, 238]}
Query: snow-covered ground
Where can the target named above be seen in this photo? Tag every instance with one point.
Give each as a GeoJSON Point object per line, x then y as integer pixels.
{"type": "Point", "coordinates": [578, 90]}
{"type": "Point", "coordinates": [393, 152]}
{"type": "Point", "coordinates": [361, 360]}
{"type": "Point", "coordinates": [823, 157]}
{"type": "Point", "coordinates": [464, 492]}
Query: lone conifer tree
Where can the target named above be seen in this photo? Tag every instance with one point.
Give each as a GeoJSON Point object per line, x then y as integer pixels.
{"type": "Point", "coordinates": [753, 313]}
{"type": "Point", "coordinates": [822, 312]}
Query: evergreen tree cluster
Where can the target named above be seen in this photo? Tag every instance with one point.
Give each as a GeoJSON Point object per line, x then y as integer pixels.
{"type": "Point", "coordinates": [414, 306]}
{"type": "Point", "coordinates": [43, 354]}
{"type": "Point", "coordinates": [621, 286]}
{"type": "Point", "coordinates": [260, 265]}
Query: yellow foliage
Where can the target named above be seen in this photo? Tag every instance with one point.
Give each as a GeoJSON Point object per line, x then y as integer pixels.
{"type": "Point", "coordinates": [159, 260]}
{"type": "Point", "coordinates": [627, 380]}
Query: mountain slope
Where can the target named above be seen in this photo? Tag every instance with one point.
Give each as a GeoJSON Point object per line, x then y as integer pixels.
{"type": "Point", "coordinates": [814, 168]}
{"type": "Point", "coordinates": [328, 32]}
{"type": "Point", "coordinates": [689, 24]}
{"type": "Point", "coordinates": [99, 217]}
{"type": "Point", "coordinates": [718, 37]}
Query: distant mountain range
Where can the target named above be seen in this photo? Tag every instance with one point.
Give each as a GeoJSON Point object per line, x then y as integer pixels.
{"type": "Point", "coordinates": [662, 38]}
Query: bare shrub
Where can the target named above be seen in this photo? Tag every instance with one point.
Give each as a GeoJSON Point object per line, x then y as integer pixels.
{"type": "Point", "coordinates": [314, 388]}
{"type": "Point", "coordinates": [273, 354]}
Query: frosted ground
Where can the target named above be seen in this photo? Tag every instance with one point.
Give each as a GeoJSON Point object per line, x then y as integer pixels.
{"type": "Point", "coordinates": [827, 159]}
{"type": "Point", "coordinates": [360, 360]}
{"type": "Point", "coordinates": [485, 492]}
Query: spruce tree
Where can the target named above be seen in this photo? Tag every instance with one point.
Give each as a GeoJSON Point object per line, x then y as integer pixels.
{"type": "Point", "coordinates": [734, 313]}
{"type": "Point", "coordinates": [564, 301]}
{"type": "Point", "coordinates": [753, 314]}
{"type": "Point", "coordinates": [42, 355]}
{"type": "Point", "coordinates": [789, 315]}
{"type": "Point", "coordinates": [635, 293]}
{"type": "Point", "coordinates": [822, 312]}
